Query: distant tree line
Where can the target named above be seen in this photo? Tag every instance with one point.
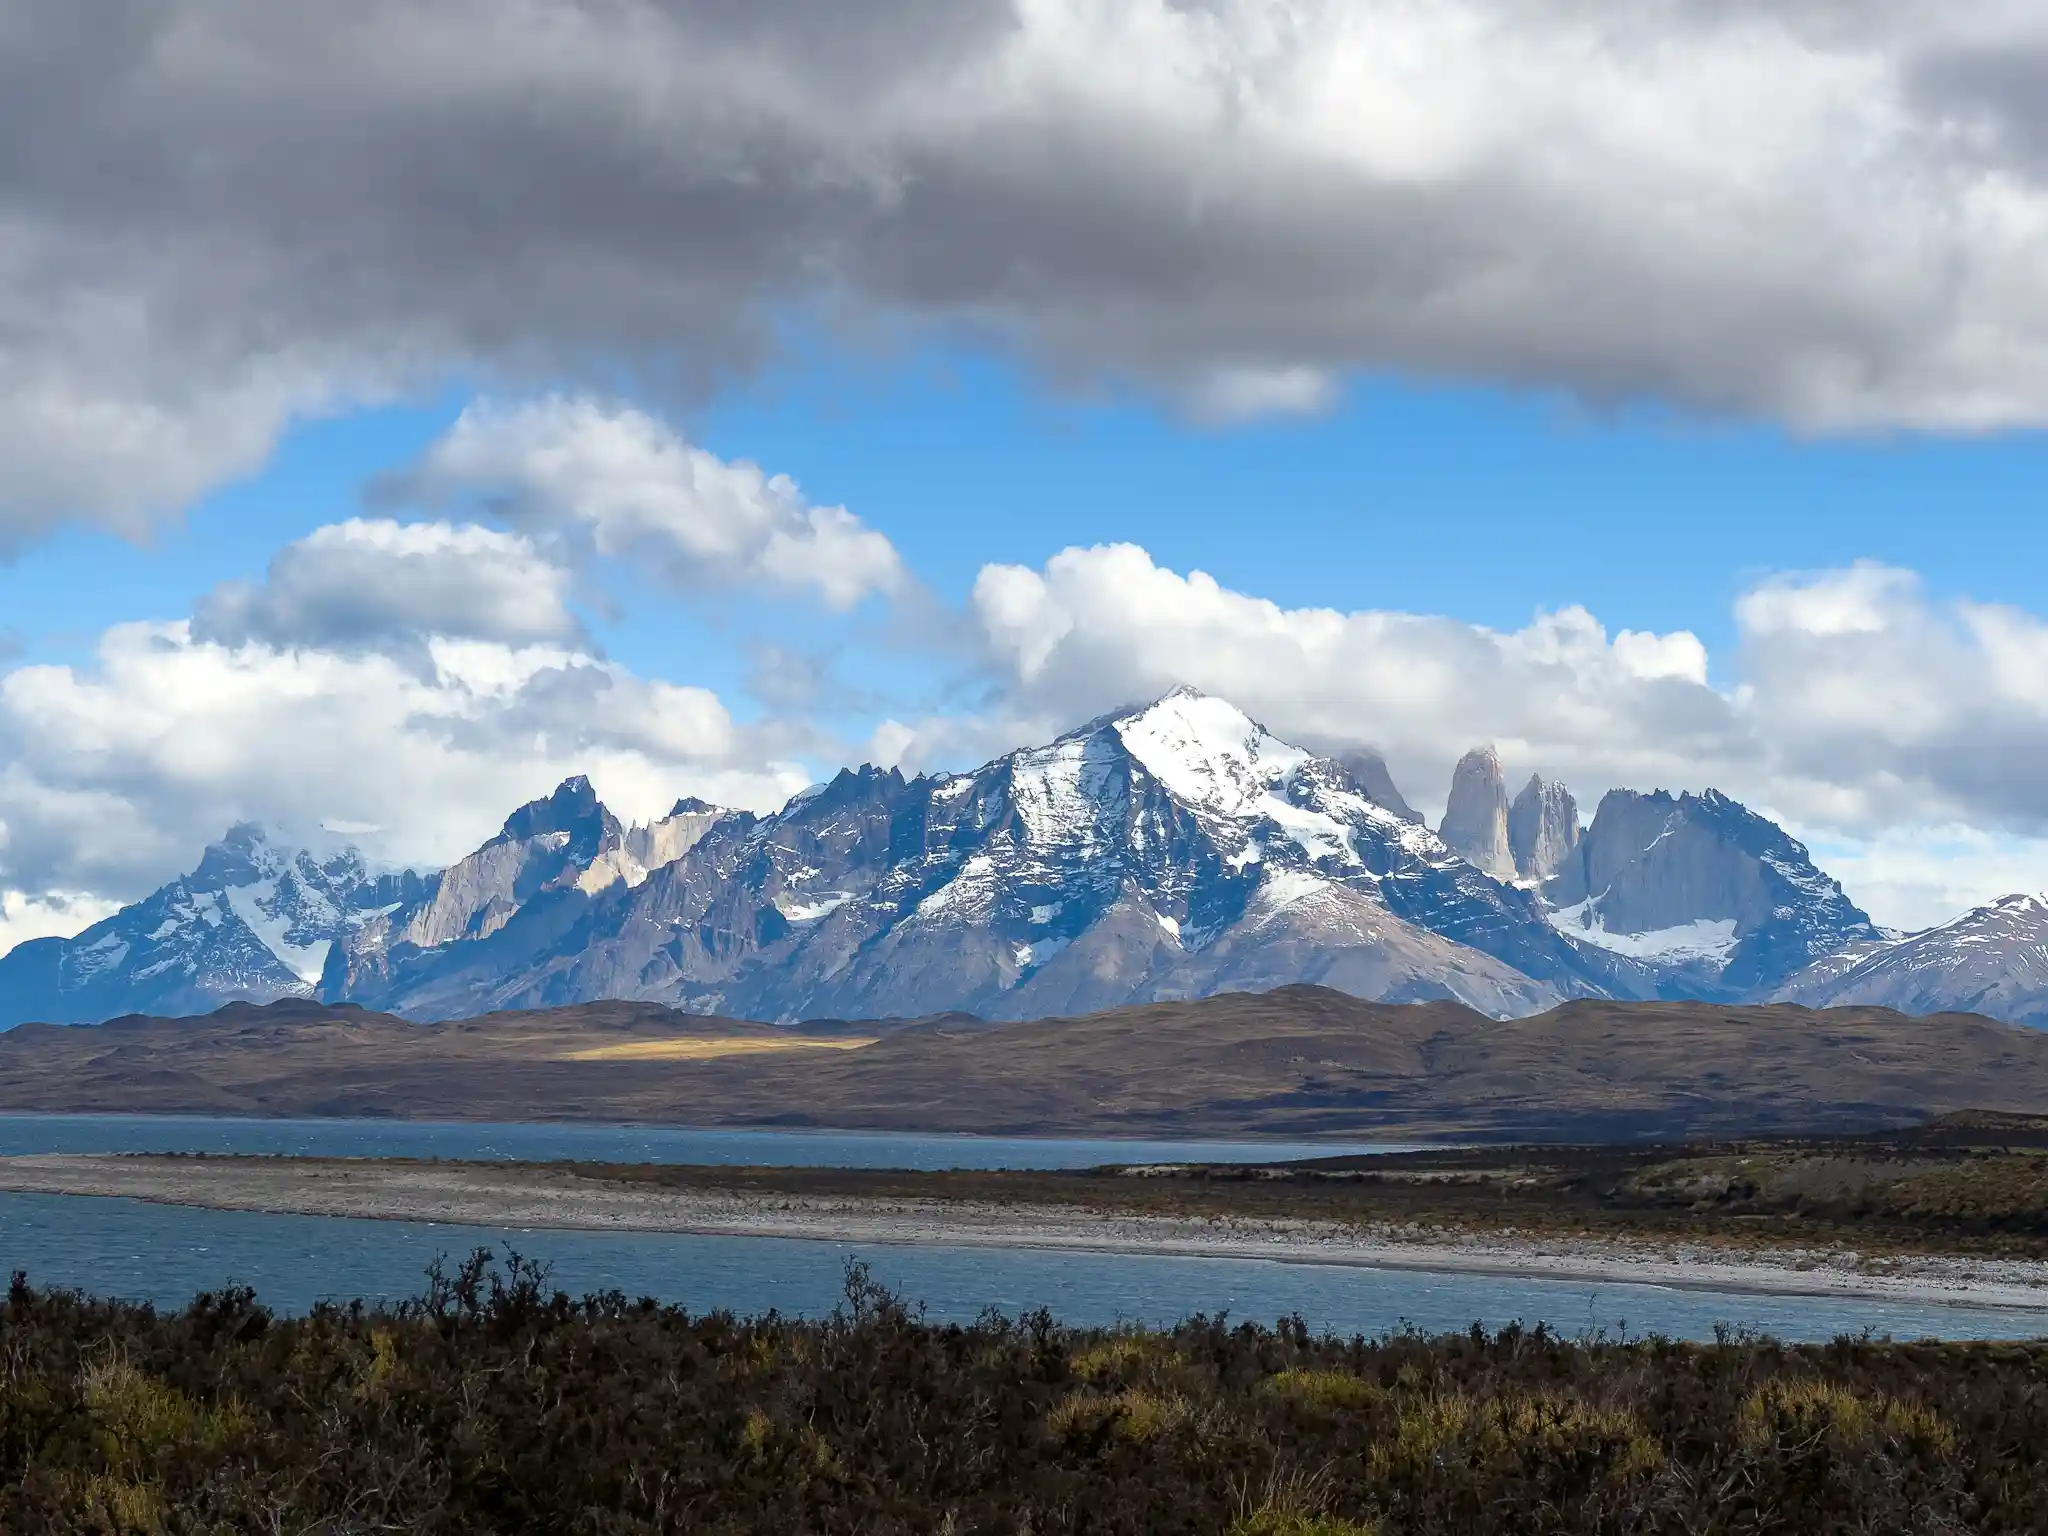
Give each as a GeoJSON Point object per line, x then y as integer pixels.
{"type": "Point", "coordinates": [493, 1403]}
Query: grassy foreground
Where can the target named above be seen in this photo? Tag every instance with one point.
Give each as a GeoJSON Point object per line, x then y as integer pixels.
{"type": "Point", "coordinates": [493, 1404]}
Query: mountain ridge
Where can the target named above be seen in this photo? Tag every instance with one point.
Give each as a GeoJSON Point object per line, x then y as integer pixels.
{"type": "Point", "coordinates": [1156, 853]}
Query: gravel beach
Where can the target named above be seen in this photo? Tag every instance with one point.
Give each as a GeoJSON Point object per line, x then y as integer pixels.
{"type": "Point", "coordinates": [483, 1194]}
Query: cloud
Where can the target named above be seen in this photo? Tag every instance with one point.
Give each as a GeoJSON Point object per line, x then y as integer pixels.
{"type": "Point", "coordinates": [1894, 707]}
{"type": "Point", "coordinates": [219, 218]}
{"type": "Point", "coordinates": [614, 480]}
{"type": "Point", "coordinates": [1915, 877]}
{"type": "Point", "coordinates": [375, 583]}
{"type": "Point", "coordinates": [1855, 704]}
{"type": "Point", "coordinates": [1101, 626]}
{"type": "Point", "coordinates": [1895, 732]}
{"type": "Point", "coordinates": [113, 776]}
{"type": "Point", "coordinates": [57, 915]}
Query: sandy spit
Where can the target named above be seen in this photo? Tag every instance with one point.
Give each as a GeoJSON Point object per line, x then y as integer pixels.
{"type": "Point", "coordinates": [480, 1194]}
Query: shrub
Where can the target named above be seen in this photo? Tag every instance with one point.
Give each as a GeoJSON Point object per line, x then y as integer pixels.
{"type": "Point", "coordinates": [1333, 1390]}
{"type": "Point", "coordinates": [492, 1404]}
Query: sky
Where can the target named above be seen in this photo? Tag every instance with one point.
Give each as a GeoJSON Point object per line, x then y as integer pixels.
{"type": "Point", "coordinates": [406, 405]}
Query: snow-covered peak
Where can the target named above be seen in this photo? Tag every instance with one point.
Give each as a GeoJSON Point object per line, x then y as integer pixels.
{"type": "Point", "coordinates": [2020, 906]}
{"type": "Point", "coordinates": [255, 919]}
{"type": "Point", "coordinates": [1207, 752]}
{"type": "Point", "coordinates": [246, 853]}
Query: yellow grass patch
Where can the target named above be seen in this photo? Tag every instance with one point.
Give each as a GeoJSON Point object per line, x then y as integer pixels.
{"type": "Point", "coordinates": [710, 1047]}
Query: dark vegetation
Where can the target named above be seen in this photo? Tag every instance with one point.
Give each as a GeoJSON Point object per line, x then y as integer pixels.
{"type": "Point", "coordinates": [492, 1404]}
{"type": "Point", "coordinates": [1973, 1183]}
{"type": "Point", "coordinates": [1301, 1061]}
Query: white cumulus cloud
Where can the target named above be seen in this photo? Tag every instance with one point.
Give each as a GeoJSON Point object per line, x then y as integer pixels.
{"type": "Point", "coordinates": [117, 773]}
{"type": "Point", "coordinates": [1902, 731]}
{"type": "Point", "coordinates": [57, 914]}
{"type": "Point", "coordinates": [622, 483]}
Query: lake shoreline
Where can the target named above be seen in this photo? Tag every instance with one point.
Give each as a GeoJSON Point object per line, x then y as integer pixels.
{"type": "Point", "coordinates": [557, 1198]}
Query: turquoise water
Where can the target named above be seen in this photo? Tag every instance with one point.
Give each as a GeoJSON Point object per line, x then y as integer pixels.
{"type": "Point", "coordinates": [621, 1143]}
{"type": "Point", "coordinates": [165, 1253]}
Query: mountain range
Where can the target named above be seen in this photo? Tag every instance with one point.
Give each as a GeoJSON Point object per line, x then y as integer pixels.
{"type": "Point", "coordinates": [1156, 854]}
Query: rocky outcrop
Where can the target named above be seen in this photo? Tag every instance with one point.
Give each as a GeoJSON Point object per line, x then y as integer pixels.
{"type": "Point", "coordinates": [1377, 780]}
{"type": "Point", "coordinates": [649, 847]}
{"type": "Point", "coordinates": [1543, 829]}
{"type": "Point", "coordinates": [544, 843]}
{"type": "Point", "coordinates": [1705, 886]}
{"type": "Point", "coordinates": [1475, 823]}
{"type": "Point", "coordinates": [665, 841]}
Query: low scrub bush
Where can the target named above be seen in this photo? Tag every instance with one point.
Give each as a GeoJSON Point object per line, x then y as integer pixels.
{"type": "Point", "coordinates": [494, 1404]}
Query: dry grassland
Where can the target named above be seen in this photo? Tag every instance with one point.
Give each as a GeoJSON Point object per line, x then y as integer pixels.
{"type": "Point", "coordinates": [712, 1047]}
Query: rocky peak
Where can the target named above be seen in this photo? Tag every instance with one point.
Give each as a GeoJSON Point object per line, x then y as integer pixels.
{"type": "Point", "coordinates": [1377, 781]}
{"type": "Point", "coordinates": [1543, 828]}
{"type": "Point", "coordinates": [573, 808]}
{"type": "Point", "coordinates": [549, 844]}
{"type": "Point", "coordinates": [246, 853]}
{"type": "Point", "coordinates": [1704, 879]}
{"type": "Point", "coordinates": [254, 921]}
{"type": "Point", "coordinates": [1475, 823]}
{"type": "Point", "coordinates": [650, 847]}
{"type": "Point", "coordinates": [1207, 752]}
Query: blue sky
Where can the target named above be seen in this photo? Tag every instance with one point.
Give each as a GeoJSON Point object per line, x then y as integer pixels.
{"type": "Point", "coordinates": [684, 396]}
{"type": "Point", "coordinates": [1479, 504]}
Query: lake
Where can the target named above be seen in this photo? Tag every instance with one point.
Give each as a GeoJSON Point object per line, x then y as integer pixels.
{"type": "Point", "coordinates": [551, 1142]}
{"type": "Point", "coordinates": [166, 1254]}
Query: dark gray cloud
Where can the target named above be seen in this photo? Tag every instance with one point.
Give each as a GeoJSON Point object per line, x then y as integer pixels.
{"type": "Point", "coordinates": [217, 215]}
{"type": "Point", "coordinates": [380, 585]}
{"type": "Point", "coordinates": [1993, 95]}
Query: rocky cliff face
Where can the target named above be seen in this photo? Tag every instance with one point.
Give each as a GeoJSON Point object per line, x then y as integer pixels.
{"type": "Point", "coordinates": [254, 922]}
{"type": "Point", "coordinates": [1476, 818]}
{"type": "Point", "coordinates": [1543, 829]}
{"type": "Point", "coordinates": [1993, 960]}
{"type": "Point", "coordinates": [1706, 887]}
{"type": "Point", "coordinates": [542, 844]}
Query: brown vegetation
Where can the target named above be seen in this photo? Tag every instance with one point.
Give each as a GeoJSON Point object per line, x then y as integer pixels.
{"type": "Point", "coordinates": [493, 1405]}
{"type": "Point", "coordinates": [1963, 1184]}
{"type": "Point", "coordinates": [1302, 1061]}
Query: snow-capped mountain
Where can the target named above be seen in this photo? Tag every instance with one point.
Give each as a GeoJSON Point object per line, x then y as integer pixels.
{"type": "Point", "coordinates": [1168, 851]}
{"type": "Point", "coordinates": [1722, 898]}
{"type": "Point", "coordinates": [255, 921]}
{"type": "Point", "coordinates": [1993, 960]}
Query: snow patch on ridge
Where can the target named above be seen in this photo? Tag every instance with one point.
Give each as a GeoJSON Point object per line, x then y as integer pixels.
{"type": "Point", "coordinates": [1210, 755]}
{"type": "Point", "coordinates": [272, 923]}
{"type": "Point", "coordinates": [811, 911]}
{"type": "Point", "coordinates": [1704, 939]}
